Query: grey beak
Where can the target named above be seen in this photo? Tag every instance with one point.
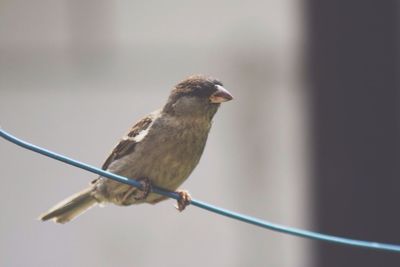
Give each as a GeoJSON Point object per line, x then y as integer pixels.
{"type": "Point", "coordinates": [221, 95]}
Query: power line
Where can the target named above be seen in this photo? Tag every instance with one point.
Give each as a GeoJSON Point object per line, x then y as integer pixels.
{"type": "Point", "coordinates": [206, 206]}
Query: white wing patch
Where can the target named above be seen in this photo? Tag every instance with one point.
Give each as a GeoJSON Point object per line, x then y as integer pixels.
{"type": "Point", "coordinates": [129, 138]}
{"type": "Point", "coordinates": [142, 134]}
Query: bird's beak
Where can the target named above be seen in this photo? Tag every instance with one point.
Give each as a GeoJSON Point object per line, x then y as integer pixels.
{"type": "Point", "coordinates": [221, 95]}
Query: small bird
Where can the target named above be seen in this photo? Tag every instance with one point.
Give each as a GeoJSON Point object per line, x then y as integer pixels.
{"type": "Point", "coordinates": [162, 149]}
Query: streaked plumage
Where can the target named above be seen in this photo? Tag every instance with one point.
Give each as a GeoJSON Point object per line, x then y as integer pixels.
{"type": "Point", "coordinates": [164, 148]}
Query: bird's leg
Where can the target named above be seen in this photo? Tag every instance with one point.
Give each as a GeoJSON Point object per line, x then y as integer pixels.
{"type": "Point", "coordinates": [125, 198]}
{"type": "Point", "coordinates": [184, 199]}
{"type": "Point", "coordinates": [145, 188]}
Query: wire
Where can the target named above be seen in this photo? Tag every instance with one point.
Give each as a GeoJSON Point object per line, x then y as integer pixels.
{"type": "Point", "coordinates": [203, 205]}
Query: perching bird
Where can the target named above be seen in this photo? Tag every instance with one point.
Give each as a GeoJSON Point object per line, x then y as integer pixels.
{"type": "Point", "coordinates": [162, 150]}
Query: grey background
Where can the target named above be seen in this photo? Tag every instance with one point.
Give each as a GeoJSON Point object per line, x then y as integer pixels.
{"type": "Point", "coordinates": [74, 75]}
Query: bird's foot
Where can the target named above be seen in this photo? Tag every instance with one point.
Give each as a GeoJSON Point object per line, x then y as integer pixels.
{"type": "Point", "coordinates": [126, 198]}
{"type": "Point", "coordinates": [145, 188]}
{"type": "Point", "coordinates": [184, 199]}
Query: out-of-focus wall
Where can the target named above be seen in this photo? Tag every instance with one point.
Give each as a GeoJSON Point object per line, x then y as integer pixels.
{"type": "Point", "coordinates": [74, 75]}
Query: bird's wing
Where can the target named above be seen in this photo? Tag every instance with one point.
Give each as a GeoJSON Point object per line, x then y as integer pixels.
{"type": "Point", "coordinates": [129, 141]}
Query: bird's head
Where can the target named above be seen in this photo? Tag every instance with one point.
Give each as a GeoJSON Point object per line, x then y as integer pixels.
{"type": "Point", "coordinates": [197, 96]}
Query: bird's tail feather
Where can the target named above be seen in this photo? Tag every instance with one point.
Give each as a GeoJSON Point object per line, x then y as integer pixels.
{"type": "Point", "coordinates": [71, 207]}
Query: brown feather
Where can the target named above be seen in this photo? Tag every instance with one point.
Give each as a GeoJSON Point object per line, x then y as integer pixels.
{"type": "Point", "coordinates": [124, 147]}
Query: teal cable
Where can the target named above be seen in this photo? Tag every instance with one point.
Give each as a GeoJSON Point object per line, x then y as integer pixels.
{"type": "Point", "coordinates": [203, 205]}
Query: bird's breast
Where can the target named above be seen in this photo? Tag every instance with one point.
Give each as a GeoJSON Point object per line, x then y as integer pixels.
{"type": "Point", "coordinates": [169, 152]}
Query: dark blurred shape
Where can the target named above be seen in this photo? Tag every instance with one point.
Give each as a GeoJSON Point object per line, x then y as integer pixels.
{"type": "Point", "coordinates": [355, 112]}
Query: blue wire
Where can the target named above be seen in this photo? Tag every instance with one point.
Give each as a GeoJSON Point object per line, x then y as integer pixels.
{"type": "Point", "coordinates": [203, 205]}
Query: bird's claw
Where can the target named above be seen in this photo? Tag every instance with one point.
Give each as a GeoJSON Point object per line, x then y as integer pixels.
{"type": "Point", "coordinates": [184, 199]}
{"type": "Point", "coordinates": [145, 189]}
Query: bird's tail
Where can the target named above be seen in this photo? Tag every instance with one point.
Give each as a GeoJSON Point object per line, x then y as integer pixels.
{"type": "Point", "coordinates": [71, 207]}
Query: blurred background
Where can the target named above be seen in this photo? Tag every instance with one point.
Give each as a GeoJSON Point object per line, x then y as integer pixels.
{"type": "Point", "coordinates": [311, 139]}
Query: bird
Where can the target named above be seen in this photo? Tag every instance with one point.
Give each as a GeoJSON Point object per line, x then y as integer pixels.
{"type": "Point", "coordinates": [162, 149]}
